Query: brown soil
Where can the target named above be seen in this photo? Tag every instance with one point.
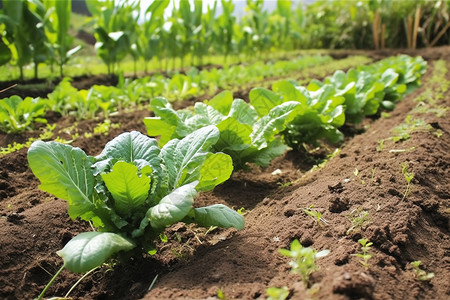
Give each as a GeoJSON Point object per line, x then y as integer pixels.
{"type": "Point", "coordinates": [196, 264]}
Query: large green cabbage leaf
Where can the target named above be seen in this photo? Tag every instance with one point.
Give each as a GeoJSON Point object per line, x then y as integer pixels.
{"type": "Point", "coordinates": [133, 190]}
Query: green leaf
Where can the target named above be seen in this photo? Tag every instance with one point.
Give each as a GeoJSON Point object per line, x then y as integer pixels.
{"type": "Point", "coordinates": [216, 169]}
{"type": "Point", "coordinates": [157, 8]}
{"type": "Point", "coordinates": [264, 100]}
{"type": "Point", "coordinates": [233, 135]}
{"type": "Point", "coordinates": [128, 189]}
{"type": "Point", "coordinates": [389, 77]}
{"type": "Point", "coordinates": [159, 127]}
{"type": "Point", "coordinates": [243, 112]}
{"type": "Point", "coordinates": [14, 10]}
{"type": "Point", "coordinates": [288, 91]}
{"type": "Point", "coordinates": [216, 215]}
{"type": "Point", "coordinates": [173, 207]}
{"type": "Point", "coordinates": [388, 105]}
{"type": "Point", "coordinates": [222, 102]}
{"type": "Point", "coordinates": [65, 172]}
{"type": "Point", "coordinates": [91, 249]}
{"type": "Point", "coordinates": [264, 156]}
{"type": "Point", "coordinates": [130, 147]}
{"type": "Point", "coordinates": [5, 53]}
{"type": "Point", "coordinates": [265, 129]}
{"type": "Point", "coordinates": [170, 125]}
{"type": "Point", "coordinates": [205, 115]}
{"type": "Point", "coordinates": [184, 158]}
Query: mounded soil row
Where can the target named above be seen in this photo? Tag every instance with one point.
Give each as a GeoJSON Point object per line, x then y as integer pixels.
{"type": "Point", "coordinates": [196, 263]}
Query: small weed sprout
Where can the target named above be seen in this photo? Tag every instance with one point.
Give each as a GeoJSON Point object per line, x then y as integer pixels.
{"type": "Point", "coordinates": [421, 274]}
{"type": "Point", "coordinates": [359, 219]}
{"type": "Point", "coordinates": [380, 146]}
{"type": "Point", "coordinates": [356, 173]}
{"type": "Point", "coordinates": [365, 255]}
{"type": "Point", "coordinates": [242, 211]}
{"type": "Point", "coordinates": [316, 215]}
{"type": "Point", "coordinates": [372, 172]}
{"type": "Point", "coordinates": [275, 293]}
{"type": "Point", "coordinates": [438, 133]}
{"type": "Point", "coordinates": [221, 295]}
{"type": "Point", "coordinates": [283, 185]}
{"type": "Point", "coordinates": [304, 262]}
{"type": "Point", "coordinates": [408, 176]}
{"type": "Point", "coordinates": [385, 115]}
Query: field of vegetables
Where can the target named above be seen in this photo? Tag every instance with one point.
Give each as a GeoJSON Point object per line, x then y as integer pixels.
{"type": "Point", "coordinates": [299, 175]}
{"type": "Point", "coordinates": [387, 183]}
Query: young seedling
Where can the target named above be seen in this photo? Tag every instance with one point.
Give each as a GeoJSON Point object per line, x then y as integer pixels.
{"type": "Point", "coordinates": [408, 176]}
{"type": "Point", "coordinates": [283, 185]}
{"type": "Point", "coordinates": [365, 255]}
{"type": "Point", "coordinates": [304, 262]}
{"type": "Point", "coordinates": [316, 215]}
{"type": "Point", "coordinates": [372, 172]}
{"type": "Point", "coordinates": [359, 219]}
{"type": "Point", "coordinates": [221, 295]}
{"type": "Point", "coordinates": [275, 293]}
{"type": "Point", "coordinates": [421, 274]}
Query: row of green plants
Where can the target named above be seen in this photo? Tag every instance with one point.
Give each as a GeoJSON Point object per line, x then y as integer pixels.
{"type": "Point", "coordinates": [18, 115]}
{"type": "Point", "coordinates": [290, 115]}
{"type": "Point", "coordinates": [427, 103]}
{"type": "Point", "coordinates": [36, 31]}
{"type": "Point", "coordinates": [304, 259]}
{"type": "Point", "coordinates": [138, 185]}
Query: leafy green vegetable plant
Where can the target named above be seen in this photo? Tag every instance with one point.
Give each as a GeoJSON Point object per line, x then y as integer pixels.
{"type": "Point", "coordinates": [244, 135]}
{"type": "Point", "coordinates": [304, 262]}
{"type": "Point", "coordinates": [365, 255]}
{"type": "Point", "coordinates": [369, 88]}
{"type": "Point", "coordinates": [421, 274]}
{"type": "Point", "coordinates": [17, 114]}
{"type": "Point", "coordinates": [318, 115]}
{"type": "Point", "coordinates": [132, 191]}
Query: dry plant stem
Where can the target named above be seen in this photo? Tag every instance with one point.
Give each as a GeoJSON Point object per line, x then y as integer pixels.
{"type": "Point", "coordinates": [375, 30]}
{"type": "Point", "coordinates": [409, 31]}
{"type": "Point", "coordinates": [416, 28]}
{"type": "Point", "coordinates": [79, 280]}
{"type": "Point", "coordinates": [440, 34]}
{"type": "Point", "coordinates": [10, 87]}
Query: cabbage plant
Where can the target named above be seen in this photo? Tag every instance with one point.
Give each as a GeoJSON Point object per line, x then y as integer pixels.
{"type": "Point", "coordinates": [245, 135]}
{"type": "Point", "coordinates": [132, 191]}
